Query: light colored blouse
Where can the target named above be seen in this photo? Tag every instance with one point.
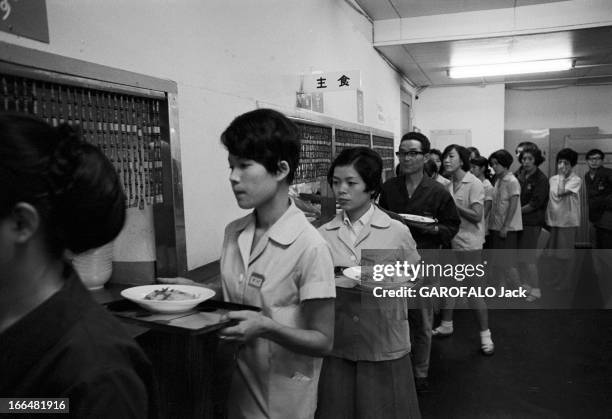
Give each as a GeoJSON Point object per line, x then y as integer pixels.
{"type": "Point", "coordinates": [564, 211]}
{"type": "Point", "coordinates": [471, 235]}
{"type": "Point", "coordinates": [504, 189]}
{"type": "Point", "coordinates": [290, 264]}
{"type": "Point", "coordinates": [369, 328]}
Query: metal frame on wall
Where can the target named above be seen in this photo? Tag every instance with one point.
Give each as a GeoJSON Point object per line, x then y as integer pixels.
{"type": "Point", "coordinates": [168, 215]}
{"type": "Point", "coordinates": [343, 134]}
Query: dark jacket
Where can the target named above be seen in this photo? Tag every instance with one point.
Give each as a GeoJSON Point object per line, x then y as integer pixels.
{"type": "Point", "coordinates": [599, 193]}
{"type": "Point", "coordinates": [534, 191]}
{"type": "Point", "coordinates": [71, 347]}
{"type": "Point", "coordinates": [430, 199]}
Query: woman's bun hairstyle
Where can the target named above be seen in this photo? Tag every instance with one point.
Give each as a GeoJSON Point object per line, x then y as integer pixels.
{"type": "Point", "coordinates": [89, 205]}
{"type": "Point", "coordinates": [73, 186]}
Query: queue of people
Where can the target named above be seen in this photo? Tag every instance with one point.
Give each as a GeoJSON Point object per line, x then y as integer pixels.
{"type": "Point", "coordinates": [314, 350]}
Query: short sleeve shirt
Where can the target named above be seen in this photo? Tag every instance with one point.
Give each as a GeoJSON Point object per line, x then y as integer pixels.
{"type": "Point", "coordinates": [290, 264]}
{"type": "Point", "coordinates": [488, 190]}
{"type": "Point", "coordinates": [504, 189]}
{"type": "Point", "coordinates": [564, 211]}
{"type": "Point", "coordinates": [442, 180]}
{"type": "Point", "coordinates": [470, 191]}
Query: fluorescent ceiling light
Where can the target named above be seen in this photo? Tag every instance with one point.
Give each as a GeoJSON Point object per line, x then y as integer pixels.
{"type": "Point", "coordinates": [510, 68]}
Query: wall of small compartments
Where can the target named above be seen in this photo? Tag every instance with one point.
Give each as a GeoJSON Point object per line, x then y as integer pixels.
{"type": "Point", "coordinates": [384, 147]}
{"type": "Point", "coordinates": [347, 139]}
{"type": "Point", "coordinates": [127, 128]}
{"type": "Point", "coordinates": [316, 152]}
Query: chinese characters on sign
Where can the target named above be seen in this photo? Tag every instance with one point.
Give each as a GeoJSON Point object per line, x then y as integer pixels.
{"type": "Point", "coordinates": [344, 80]}
{"type": "Point", "coordinates": [332, 81]}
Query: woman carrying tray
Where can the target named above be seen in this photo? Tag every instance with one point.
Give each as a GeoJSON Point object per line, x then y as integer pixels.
{"type": "Point", "coordinates": [274, 259]}
{"type": "Point", "coordinates": [369, 372]}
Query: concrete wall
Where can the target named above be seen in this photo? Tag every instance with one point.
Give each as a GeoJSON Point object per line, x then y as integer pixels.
{"type": "Point", "coordinates": [564, 107]}
{"type": "Point", "coordinates": [478, 109]}
{"type": "Point", "coordinates": [226, 56]}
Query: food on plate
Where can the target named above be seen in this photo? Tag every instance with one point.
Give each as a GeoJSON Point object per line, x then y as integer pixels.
{"type": "Point", "coordinates": [417, 218]}
{"type": "Point", "coordinates": [169, 294]}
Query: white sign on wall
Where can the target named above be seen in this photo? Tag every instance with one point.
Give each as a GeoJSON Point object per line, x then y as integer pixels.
{"type": "Point", "coordinates": [441, 138]}
{"type": "Point", "coordinates": [333, 81]}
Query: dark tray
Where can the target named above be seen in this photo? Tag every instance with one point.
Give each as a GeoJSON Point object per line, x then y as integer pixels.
{"type": "Point", "coordinates": [204, 318]}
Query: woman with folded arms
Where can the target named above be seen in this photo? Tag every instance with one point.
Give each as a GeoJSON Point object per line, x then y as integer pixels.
{"type": "Point", "coordinates": [563, 217]}
{"type": "Point", "coordinates": [369, 372]}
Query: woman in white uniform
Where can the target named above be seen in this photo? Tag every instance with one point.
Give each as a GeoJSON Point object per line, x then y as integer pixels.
{"type": "Point", "coordinates": [274, 259]}
{"type": "Point", "coordinates": [469, 195]}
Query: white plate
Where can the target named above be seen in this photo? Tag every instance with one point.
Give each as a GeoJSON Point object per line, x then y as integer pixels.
{"type": "Point", "coordinates": [417, 218]}
{"type": "Point", "coordinates": [137, 294]}
{"type": "Point", "coordinates": [354, 273]}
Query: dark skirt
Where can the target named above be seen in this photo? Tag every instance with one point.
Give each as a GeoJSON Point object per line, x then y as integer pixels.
{"type": "Point", "coordinates": [502, 253]}
{"type": "Point", "coordinates": [367, 389]}
{"type": "Point", "coordinates": [527, 243]}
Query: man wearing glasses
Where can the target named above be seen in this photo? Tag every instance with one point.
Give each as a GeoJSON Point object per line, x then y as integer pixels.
{"type": "Point", "coordinates": [598, 181]}
{"type": "Point", "coordinates": [414, 193]}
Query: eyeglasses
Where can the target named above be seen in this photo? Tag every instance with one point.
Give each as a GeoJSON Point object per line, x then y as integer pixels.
{"type": "Point", "coordinates": [594, 158]}
{"type": "Point", "coordinates": [411, 154]}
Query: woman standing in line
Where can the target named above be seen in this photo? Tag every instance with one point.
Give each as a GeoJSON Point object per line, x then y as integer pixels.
{"type": "Point", "coordinates": [480, 168]}
{"type": "Point", "coordinates": [435, 156]}
{"type": "Point", "coordinates": [468, 193]}
{"type": "Point", "coordinates": [368, 373]}
{"type": "Point", "coordinates": [274, 259]}
{"type": "Point", "coordinates": [505, 221]}
{"type": "Point", "coordinates": [534, 199]}
{"type": "Point", "coordinates": [563, 216]}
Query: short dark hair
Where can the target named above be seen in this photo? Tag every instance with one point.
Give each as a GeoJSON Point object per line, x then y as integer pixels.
{"type": "Point", "coordinates": [366, 162]}
{"type": "Point", "coordinates": [527, 145]}
{"type": "Point", "coordinates": [484, 164]}
{"type": "Point", "coordinates": [430, 168]}
{"type": "Point", "coordinates": [594, 152]}
{"type": "Point", "coordinates": [265, 136]}
{"type": "Point", "coordinates": [474, 150]}
{"type": "Point", "coordinates": [436, 152]}
{"type": "Point", "coordinates": [568, 154]}
{"type": "Point", "coordinates": [503, 157]}
{"type": "Point", "coordinates": [417, 136]}
{"type": "Point", "coordinates": [535, 152]}
{"type": "Point", "coordinates": [464, 155]}
{"type": "Point", "coordinates": [72, 185]}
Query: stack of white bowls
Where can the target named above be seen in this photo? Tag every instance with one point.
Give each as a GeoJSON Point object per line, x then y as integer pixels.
{"type": "Point", "coordinates": [95, 266]}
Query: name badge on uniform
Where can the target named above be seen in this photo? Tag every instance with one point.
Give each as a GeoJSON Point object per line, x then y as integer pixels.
{"type": "Point", "coordinates": [256, 280]}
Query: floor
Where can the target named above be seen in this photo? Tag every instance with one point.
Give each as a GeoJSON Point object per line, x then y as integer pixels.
{"type": "Point", "coordinates": [548, 364]}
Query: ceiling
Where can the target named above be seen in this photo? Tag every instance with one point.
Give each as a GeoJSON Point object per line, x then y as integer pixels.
{"type": "Point", "coordinates": [427, 64]}
{"type": "Point", "coordinates": [393, 9]}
